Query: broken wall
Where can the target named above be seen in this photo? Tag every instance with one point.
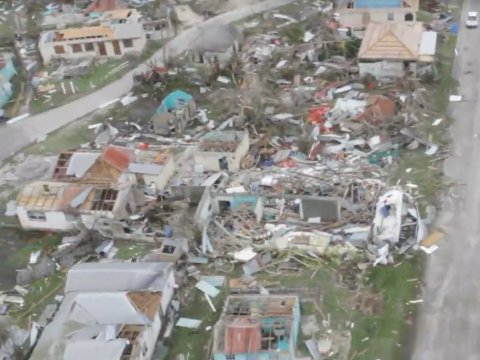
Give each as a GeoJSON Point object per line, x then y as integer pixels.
{"type": "Point", "coordinates": [327, 208]}
{"type": "Point", "coordinates": [49, 220]}
{"type": "Point", "coordinates": [211, 160]}
{"type": "Point", "coordinates": [161, 180]}
{"type": "Point", "coordinates": [385, 68]}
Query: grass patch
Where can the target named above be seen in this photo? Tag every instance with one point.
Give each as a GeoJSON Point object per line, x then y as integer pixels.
{"type": "Point", "coordinates": [128, 250]}
{"type": "Point", "coordinates": [99, 76]}
{"type": "Point", "coordinates": [40, 293]}
{"type": "Point", "coordinates": [387, 331]}
{"type": "Point", "coordinates": [421, 172]}
{"type": "Point", "coordinates": [196, 342]}
{"type": "Point", "coordinates": [443, 89]}
{"type": "Point", "coordinates": [60, 140]}
{"type": "Point", "coordinates": [35, 242]}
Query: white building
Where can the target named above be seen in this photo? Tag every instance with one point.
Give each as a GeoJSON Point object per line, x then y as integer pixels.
{"type": "Point", "coordinates": [222, 150]}
{"type": "Point", "coordinates": [120, 32]}
{"type": "Point", "coordinates": [391, 50]}
{"type": "Point", "coordinates": [111, 311]}
{"type": "Point", "coordinates": [56, 206]}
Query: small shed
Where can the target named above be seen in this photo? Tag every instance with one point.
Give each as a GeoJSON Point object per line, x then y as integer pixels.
{"type": "Point", "coordinates": [174, 113]}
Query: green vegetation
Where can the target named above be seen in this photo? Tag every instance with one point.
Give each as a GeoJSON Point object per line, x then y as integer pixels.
{"type": "Point", "coordinates": [40, 293]}
{"type": "Point", "coordinates": [35, 242]}
{"type": "Point", "coordinates": [99, 76]}
{"type": "Point", "coordinates": [63, 139]}
{"type": "Point", "coordinates": [128, 250]}
{"type": "Point", "coordinates": [387, 331]}
{"type": "Point", "coordinates": [196, 342]}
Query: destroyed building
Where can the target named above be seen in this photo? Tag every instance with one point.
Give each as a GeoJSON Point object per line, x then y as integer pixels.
{"type": "Point", "coordinates": [174, 113]}
{"type": "Point", "coordinates": [59, 206]}
{"type": "Point", "coordinates": [111, 311]}
{"type": "Point", "coordinates": [222, 150]}
{"type": "Point", "coordinates": [144, 167]}
{"type": "Point", "coordinates": [257, 326]}
{"type": "Point", "coordinates": [357, 14]}
{"type": "Point", "coordinates": [97, 7]}
{"type": "Point", "coordinates": [216, 44]}
{"type": "Point", "coordinates": [120, 32]}
{"type": "Point", "coordinates": [396, 49]}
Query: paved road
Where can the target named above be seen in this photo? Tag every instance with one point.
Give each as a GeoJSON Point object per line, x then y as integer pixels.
{"type": "Point", "coordinates": [20, 134]}
{"type": "Point", "coordinates": [449, 319]}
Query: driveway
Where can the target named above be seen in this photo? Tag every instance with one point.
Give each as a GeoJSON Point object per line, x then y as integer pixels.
{"type": "Point", "coordinates": [20, 134]}
{"type": "Point", "coordinates": [449, 319]}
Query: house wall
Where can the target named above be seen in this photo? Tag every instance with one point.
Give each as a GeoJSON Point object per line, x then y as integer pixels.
{"type": "Point", "coordinates": [210, 160]}
{"type": "Point", "coordinates": [161, 121]}
{"type": "Point", "coordinates": [205, 209]}
{"type": "Point", "coordinates": [47, 49]}
{"type": "Point", "coordinates": [359, 18]}
{"type": "Point", "coordinates": [167, 291]}
{"type": "Point", "coordinates": [126, 198]}
{"type": "Point", "coordinates": [149, 339]}
{"type": "Point", "coordinates": [162, 179]}
{"type": "Point", "coordinates": [385, 68]}
{"type": "Point", "coordinates": [55, 221]}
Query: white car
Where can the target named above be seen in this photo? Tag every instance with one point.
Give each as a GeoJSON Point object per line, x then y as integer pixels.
{"type": "Point", "coordinates": [472, 19]}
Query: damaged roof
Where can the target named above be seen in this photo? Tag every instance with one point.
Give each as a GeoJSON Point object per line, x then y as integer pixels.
{"type": "Point", "coordinates": [175, 100]}
{"type": "Point", "coordinates": [391, 41]}
{"type": "Point", "coordinates": [103, 302]}
{"type": "Point", "coordinates": [117, 156]}
{"type": "Point", "coordinates": [89, 326]}
{"type": "Point", "coordinates": [216, 38]}
{"type": "Point", "coordinates": [90, 277]}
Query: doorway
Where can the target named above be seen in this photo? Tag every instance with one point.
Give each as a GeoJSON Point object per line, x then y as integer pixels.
{"type": "Point", "coordinates": [223, 163]}
{"type": "Point", "coordinates": [101, 49]}
{"type": "Point", "coordinates": [116, 47]}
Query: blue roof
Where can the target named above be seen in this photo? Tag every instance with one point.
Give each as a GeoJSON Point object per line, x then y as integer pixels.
{"type": "Point", "coordinates": [7, 70]}
{"type": "Point", "coordinates": [378, 4]}
{"type": "Point", "coordinates": [176, 99]}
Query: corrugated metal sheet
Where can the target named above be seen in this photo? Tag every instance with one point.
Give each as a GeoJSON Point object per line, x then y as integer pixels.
{"type": "Point", "coordinates": [147, 169]}
{"type": "Point", "coordinates": [242, 336]}
{"type": "Point", "coordinates": [428, 43]}
{"type": "Point", "coordinates": [118, 157]}
{"type": "Point", "coordinates": [80, 163]}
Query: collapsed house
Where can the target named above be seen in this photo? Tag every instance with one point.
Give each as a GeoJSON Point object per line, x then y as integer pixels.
{"type": "Point", "coordinates": [257, 327]}
{"type": "Point", "coordinates": [216, 44]}
{"type": "Point", "coordinates": [357, 14]}
{"type": "Point", "coordinates": [97, 7]}
{"type": "Point", "coordinates": [150, 168]}
{"type": "Point", "coordinates": [396, 49]}
{"type": "Point", "coordinates": [120, 32]}
{"type": "Point", "coordinates": [59, 206]}
{"type": "Point", "coordinates": [111, 311]}
{"type": "Point", "coordinates": [175, 112]}
{"type": "Point", "coordinates": [222, 150]}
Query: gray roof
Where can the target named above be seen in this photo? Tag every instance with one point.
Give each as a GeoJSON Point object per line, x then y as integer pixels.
{"type": "Point", "coordinates": [216, 38]}
{"type": "Point", "coordinates": [95, 307]}
{"type": "Point", "coordinates": [128, 31]}
{"type": "Point", "coordinates": [87, 324]}
{"type": "Point", "coordinates": [118, 276]}
{"type": "Point", "coordinates": [147, 169]}
{"type": "Point", "coordinates": [80, 163]}
{"type": "Point", "coordinates": [93, 349]}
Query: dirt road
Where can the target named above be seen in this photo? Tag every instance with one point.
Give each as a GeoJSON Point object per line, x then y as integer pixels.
{"type": "Point", "coordinates": [449, 319]}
